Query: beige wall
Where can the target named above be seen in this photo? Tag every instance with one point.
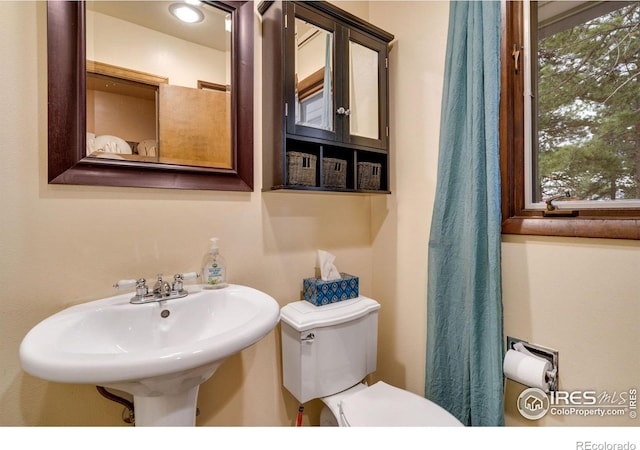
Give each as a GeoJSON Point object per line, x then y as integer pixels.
{"type": "Point", "coordinates": [582, 298]}
{"type": "Point", "coordinates": [63, 244]}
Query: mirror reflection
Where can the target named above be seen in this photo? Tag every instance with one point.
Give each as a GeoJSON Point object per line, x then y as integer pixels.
{"type": "Point", "coordinates": [363, 91]}
{"type": "Point", "coordinates": [314, 74]}
{"type": "Point", "coordinates": [158, 89]}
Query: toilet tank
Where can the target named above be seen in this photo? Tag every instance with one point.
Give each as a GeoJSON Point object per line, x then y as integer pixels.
{"type": "Point", "coordinates": [327, 349]}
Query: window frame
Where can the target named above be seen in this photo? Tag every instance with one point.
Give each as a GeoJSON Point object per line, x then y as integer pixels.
{"type": "Point", "coordinates": [516, 217]}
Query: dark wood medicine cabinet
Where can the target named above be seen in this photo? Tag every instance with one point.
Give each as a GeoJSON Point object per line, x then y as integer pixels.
{"type": "Point", "coordinates": [325, 99]}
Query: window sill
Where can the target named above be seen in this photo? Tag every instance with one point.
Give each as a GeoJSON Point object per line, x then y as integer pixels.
{"type": "Point", "coordinates": [608, 228]}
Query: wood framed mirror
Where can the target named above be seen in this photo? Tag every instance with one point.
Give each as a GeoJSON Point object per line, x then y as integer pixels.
{"type": "Point", "coordinates": [67, 112]}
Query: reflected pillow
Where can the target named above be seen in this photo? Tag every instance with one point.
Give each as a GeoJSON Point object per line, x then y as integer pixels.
{"type": "Point", "coordinates": [147, 147]}
{"type": "Point", "coordinates": [111, 144]}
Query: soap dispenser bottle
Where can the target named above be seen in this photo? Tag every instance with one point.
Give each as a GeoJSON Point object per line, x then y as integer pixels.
{"type": "Point", "coordinates": [214, 271]}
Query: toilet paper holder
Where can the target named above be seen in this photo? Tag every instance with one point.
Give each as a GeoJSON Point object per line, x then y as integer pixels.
{"type": "Point", "coordinates": [541, 352]}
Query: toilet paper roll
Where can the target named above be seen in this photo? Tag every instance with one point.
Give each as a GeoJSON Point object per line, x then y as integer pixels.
{"type": "Point", "coordinates": [528, 370]}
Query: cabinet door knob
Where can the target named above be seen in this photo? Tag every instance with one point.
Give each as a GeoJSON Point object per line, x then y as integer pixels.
{"type": "Point", "coordinates": [343, 112]}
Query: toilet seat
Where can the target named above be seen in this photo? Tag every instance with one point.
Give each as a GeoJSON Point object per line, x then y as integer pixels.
{"type": "Point", "coordinates": [382, 405]}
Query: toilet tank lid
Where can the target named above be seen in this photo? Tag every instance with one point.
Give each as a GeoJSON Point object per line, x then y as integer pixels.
{"type": "Point", "coordinates": [303, 315]}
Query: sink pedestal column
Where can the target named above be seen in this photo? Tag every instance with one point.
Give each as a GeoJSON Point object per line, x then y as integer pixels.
{"type": "Point", "coordinates": [174, 410]}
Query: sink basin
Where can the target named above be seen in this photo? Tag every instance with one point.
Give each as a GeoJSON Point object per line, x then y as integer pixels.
{"type": "Point", "coordinates": [159, 352]}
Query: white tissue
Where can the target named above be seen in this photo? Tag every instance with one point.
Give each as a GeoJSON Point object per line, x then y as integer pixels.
{"type": "Point", "coordinates": [328, 271]}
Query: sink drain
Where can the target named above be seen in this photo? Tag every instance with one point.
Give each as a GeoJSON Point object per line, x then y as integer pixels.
{"type": "Point", "coordinates": [165, 313]}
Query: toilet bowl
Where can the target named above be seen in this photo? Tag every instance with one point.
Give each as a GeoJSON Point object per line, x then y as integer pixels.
{"type": "Point", "coordinates": [326, 353]}
{"type": "Point", "coordinates": [383, 405]}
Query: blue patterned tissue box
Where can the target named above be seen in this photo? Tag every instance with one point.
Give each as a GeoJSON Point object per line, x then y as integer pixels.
{"type": "Point", "coordinates": [321, 292]}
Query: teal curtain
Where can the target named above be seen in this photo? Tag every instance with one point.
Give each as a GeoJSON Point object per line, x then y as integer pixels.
{"type": "Point", "coordinates": [464, 299]}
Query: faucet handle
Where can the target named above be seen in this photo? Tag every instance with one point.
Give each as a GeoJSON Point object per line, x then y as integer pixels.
{"type": "Point", "coordinates": [188, 276]}
{"type": "Point", "coordinates": [139, 284]}
{"type": "Point", "coordinates": [125, 284]}
{"type": "Point", "coordinates": [180, 277]}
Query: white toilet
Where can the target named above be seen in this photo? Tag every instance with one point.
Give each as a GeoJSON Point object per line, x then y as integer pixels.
{"type": "Point", "coordinates": [328, 350]}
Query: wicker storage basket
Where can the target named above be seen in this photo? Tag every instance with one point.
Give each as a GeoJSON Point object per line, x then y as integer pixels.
{"type": "Point", "coordinates": [369, 176]}
{"type": "Point", "coordinates": [301, 169]}
{"type": "Point", "coordinates": [334, 173]}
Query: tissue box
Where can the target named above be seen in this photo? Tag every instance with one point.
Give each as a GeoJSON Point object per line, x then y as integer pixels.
{"type": "Point", "coordinates": [321, 292]}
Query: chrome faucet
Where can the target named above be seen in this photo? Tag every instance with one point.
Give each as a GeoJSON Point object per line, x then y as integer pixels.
{"type": "Point", "coordinates": [162, 290]}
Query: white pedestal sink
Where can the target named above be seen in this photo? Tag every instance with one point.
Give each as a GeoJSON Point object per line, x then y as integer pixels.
{"type": "Point", "coordinates": [159, 352]}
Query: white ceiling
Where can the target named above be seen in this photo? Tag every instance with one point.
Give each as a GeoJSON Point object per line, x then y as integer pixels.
{"type": "Point", "coordinates": [155, 15]}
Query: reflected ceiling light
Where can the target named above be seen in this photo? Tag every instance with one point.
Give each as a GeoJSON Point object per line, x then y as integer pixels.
{"type": "Point", "coordinates": [186, 13]}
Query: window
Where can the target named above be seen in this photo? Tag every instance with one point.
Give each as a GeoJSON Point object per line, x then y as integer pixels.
{"type": "Point", "coordinates": [570, 119]}
{"type": "Point", "coordinates": [311, 108]}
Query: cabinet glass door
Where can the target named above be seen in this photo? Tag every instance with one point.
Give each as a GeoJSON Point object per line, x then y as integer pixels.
{"type": "Point", "coordinates": [311, 84]}
{"type": "Point", "coordinates": [363, 91]}
{"type": "Point", "coordinates": [313, 76]}
{"type": "Point", "coordinates": [367, 109]}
